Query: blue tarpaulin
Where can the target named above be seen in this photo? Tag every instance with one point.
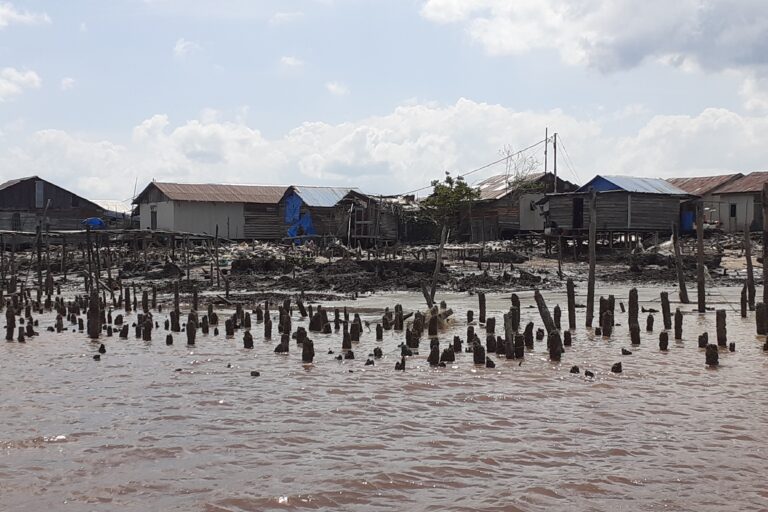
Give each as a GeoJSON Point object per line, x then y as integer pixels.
{"type": "Point", "coordinates": [292, 209]}
{"type": "Point", "coordinates": [94, 223]}
{"type": "Point", "coordinates": [302, 227]}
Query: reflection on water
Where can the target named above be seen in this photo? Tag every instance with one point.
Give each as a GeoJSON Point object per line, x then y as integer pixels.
{"type": "Point", "coordinates": [132, 433]}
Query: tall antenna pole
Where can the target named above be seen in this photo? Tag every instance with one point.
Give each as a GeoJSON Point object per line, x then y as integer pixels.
{"type": "Point", "coordinates": [554, 149]}
{"type": "Point", "coordinates": [546, 146]}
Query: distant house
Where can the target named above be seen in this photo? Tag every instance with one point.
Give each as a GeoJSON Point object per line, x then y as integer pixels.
{"type": "Point", "coordinates": [236, 211]}
{"type": "Point", "coordinates": [623, 204]}
{"type": "Point", "coordinates": [740, 202]}
{"type": "Point", "coordinates": [508, 206]}
{"type": "Point", "coordinates": [716, 213]}
{"type": "Point", "coordinates": [24, 201]}
{"type": "Point", "coordinates": [257, 212]}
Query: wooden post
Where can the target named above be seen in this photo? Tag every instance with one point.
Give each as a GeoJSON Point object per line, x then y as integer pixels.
{"type": "Point", "coordinates": [216, 256]}
{"type": "Point", "coordinates": [571, 304]}
{"type": "Point", "coordinates": [678, 324]}
{"type": "Point", "coordinates": [722, 339]}
{"type": "Point", "coordinates": [633, 307]}
{"type": "Point", "coordinates": [700, 256]}
{"type": "Point", "coordinates": [592, 256]}
{"type": "Point", "coordinates": [665, 311]}
{"type": "Point", "coordinates": [760, 318]}
{"type": "Point", "coordinates": [744, 301]}
{"type": "Point", "coordinates": [750, 269]}
{"type": "Point", "coordinates": [549, 323]}
{"type": "Point", "coordinates": [679, 265]}
{"type": "Point", "coordinates": [765, 242]}
{"type": "Point", "coordinates": [481, 300]}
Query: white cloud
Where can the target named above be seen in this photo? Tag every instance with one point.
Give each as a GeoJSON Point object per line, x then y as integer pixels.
{"type": "Point", "coordinates": [337, 88]}
{"type": "Point", "coordinates": [9, 15]}
{"type": "Point", "coordinates": [67, 83]}
{"type": "Point", "coordinates": [291, 62]}
{"type": "Point", "coordinates": [616, 34]}
{"type": "Point", "coordinates": [182, 48]}
{"type": "Point", "coordinates": [83, 27]}
{"type": "Point", "coordinates": [13, 82]}
{"type": "Point", "coordinates": [280, 18]}
{"type": "Point", "coordinates": [396, 152]}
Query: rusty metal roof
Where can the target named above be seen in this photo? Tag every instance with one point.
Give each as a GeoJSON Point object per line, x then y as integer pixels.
{"type": "Point", "coordinates": [499, 186]}
{"type": "Point", "coordinates": [751, 183]}
{"type": "Point", "coordinates": [702, 185]}
{"type": "Point", "coordinates": [209, 192]}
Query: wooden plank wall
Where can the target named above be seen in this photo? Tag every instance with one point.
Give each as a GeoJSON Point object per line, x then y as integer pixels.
{"type": "Point", "coordinates": [264, 222]}
{"type": "Point", "coordinates": [649, 212]}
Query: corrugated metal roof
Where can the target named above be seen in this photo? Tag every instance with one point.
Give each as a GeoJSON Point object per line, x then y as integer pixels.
{"type": "Point", "coordinates": [702, 185]}
{"type": "Point", "coordinates": [752, 182]}
{"type": "Point", "coordinates": [323, 197]}
{"type": "Point", "coordinates": [498, 186]}
{"type": "Point", "coordinates": [639, 185]}
{"type": "Point", "coordinates": [13, 182]}
{"type": "Point", "coordinates": [114, 205]}
{"type": "Point", "coordinates": [262, 194]}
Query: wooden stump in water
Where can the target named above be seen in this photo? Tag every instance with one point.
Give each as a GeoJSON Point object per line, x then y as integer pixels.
{"type": "Point", "coordinates": [146, 330]}
{"type": "Point", "coordinates": [634, 334]}
{"type": "Point", "coordinates": [519, 346]}
{"type": "Point", "coordinates": [247, 340]}
{"type": "Point", "coordinates": [663, 341]}
{"type": "Point", "coordinates": [191, 333]}
{"type": "Point", "coordinates": [549, 324]}
{"type": "Point", "coordinates": [703, 340]}
{"type": "Point", "coordinates": [744, 301]}
{"type": "Point", "coordinates": [490, 343]}
{"type": "Point", "coordinates": [307, 351]}
{"type": "Point", "coordinates": [284, 345]}
{"type": "Point", "coordinates": [567, 338]}
{"type": "Point", "coordinates": [456, 344]}
{"type": "Point", "coordinates": [649, 323]}
{"type": "Point", "coordinates": [432, 331]}
{"type": "Point", "coordinates": [722, 338]}
{"type": "Point", "coordinates": [666, 315]}
{"type": "Point", "coordinates": [490, 325]}
{"type": "Point", "coordinates": [761, 318]}
{"type": "Point", "coordinates": [571, 290]}
{"type": "Point", "coordinates": [267, 328]}
{"type": "Point", "coordinates": [528, 335]}
{"type": "Point", "coordinates": [557, 313]}
{"type": "Point", "coordinates": [555, 346]}
{"type": "Point", "coordinates": [379, 332]}
{"type": "Point", "coordinates": [470, 316]}
{"type": "Point", "coordinates": [175, 326]}
{"type": "Point", "coordinates": [481, 300]}
{"type": "Point", "coordinates": [711, 355]}
{"type": "Point", "coordinates": [634, 308]}
{"type": "Point", "coordinates": [678, 324]}
{"type": "Point", "coordinates": [606, 324]}
{"type": "Point", "coordinates": [478, 354]}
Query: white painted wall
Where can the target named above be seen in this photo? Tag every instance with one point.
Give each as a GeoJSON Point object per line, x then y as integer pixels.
{"type": "Point", "coordinates": [165, 215]}
{"type": "Point", "coordinates": [745, 211]}
{"type": "Point", "coordinates": [196, 217]}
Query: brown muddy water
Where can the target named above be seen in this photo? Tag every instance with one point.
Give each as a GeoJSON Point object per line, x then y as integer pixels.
{"type": "Point", "coordinates": [131, 433]}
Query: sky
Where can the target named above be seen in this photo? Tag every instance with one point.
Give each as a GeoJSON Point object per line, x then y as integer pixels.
{"type": "Point", "coordinates": [102, 97]}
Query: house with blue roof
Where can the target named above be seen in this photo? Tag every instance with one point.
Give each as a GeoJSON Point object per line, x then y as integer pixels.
{"type": "Point", "coordinates": [624, 204]}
